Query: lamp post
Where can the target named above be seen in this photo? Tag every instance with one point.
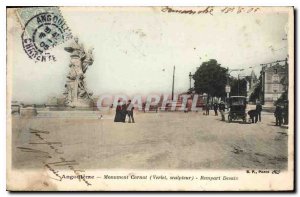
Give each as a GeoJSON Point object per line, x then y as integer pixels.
{"type": "Point", "coordinates": [173, 83]}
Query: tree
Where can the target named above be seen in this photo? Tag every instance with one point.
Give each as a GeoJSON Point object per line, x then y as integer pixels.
{"type": "Point", "coordinates": [257, 93]}
{"type": "Point", "coordinates": [238, 87]}
{"type": "Point", "coordinates": [285, 83]}
{"type": "Point", "coordinates": [210, 78]}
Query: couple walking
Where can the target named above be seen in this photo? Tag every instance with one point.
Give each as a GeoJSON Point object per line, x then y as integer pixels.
{"type": "Point", "coordinates": [124, 109]}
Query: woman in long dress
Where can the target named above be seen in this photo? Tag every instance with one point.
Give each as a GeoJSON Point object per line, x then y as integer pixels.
{"type": "Point", "coordinates": [118, 116]}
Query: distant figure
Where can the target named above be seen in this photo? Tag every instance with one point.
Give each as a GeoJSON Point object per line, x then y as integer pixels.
{"type": "Point", "coordinates": [222, 110]}
{"type": "Point", "coordinates": [258, 110]}
{"type": "Point", "coordinates": [129, 108]}
{"type": "Point", "coordinates": [216, 109]}
{"type": "Point", "coordinates": [144, 107]}
{"type": "Point", "coordinates": [118, 116]}
{"type": "Point", "coordinates": [253, 115]}
{"type": "Point", "coordinates": [278, 115]}
{"type": "Point", "coordinates": [124, 112]}
{"type": "Point", "coordinates": [286, 114]}
{"type": "Point", "coordinates": [207, 108]}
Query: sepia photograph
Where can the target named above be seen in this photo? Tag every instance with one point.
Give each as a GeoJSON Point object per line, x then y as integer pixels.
{"type": "Point", "coordinates": [150, 98]}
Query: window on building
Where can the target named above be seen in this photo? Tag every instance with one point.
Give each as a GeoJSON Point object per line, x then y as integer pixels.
{"type": "Point", "coordinates": [275, 78]}
{"type": "Point", "coordinates": [269, 77]}
{"type": "Point", "coordinates": [275, 97]}
{"type": "Point", "coordinates": [275, 87]}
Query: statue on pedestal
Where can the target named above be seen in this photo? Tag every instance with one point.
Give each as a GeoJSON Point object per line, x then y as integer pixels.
{"type": "Point", "coordinates": [76, 93]}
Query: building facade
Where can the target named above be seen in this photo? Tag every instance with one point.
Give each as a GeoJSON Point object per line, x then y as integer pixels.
{"type": "Point", "coordinates": [273, 87]}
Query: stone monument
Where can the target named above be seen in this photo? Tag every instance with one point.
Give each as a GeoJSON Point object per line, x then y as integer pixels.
{"type": "Point", "coordinates": [76, 93]}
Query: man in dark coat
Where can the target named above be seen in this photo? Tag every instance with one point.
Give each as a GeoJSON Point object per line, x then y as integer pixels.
{"type": "Point", "coordinates": [258, 110]}
{"type": "Point", "coordinates": [222, 110]}
{"type": "Point", "coordinates": [129, 108]}
{"type": "Point", "coordinates": [207, 108]}
{"type": "Point", "coordinates": [216, 109]}
{"type": "Point", "coordinates": [124, 112]}
{"type": "Point", "coordinates": [286, 113]}
{"type": "Point", "coordinates": [278, 115]}
{"type": "Point", "coordinates": [253, 115]}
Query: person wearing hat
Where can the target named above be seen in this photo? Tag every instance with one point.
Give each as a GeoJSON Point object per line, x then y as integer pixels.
{"type": "Point", "coordinates": [286, 113]}
{"type": "Point", "coordinates": [129, 108]}
{"type": "Point", "coordinates": [216, 108]}
{"type": "Point", "coordinates": [258, 110]}
{"type": "Point", "coordinates": [207, 108]}
{"type": "Point", "coordinates": [278, 115]}
{"type": "Point", "coordinates": [222, 110]}
{"type": "Point", "coordinates": [124, 111]}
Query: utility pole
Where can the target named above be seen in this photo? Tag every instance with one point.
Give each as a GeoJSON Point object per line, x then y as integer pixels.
{"type": "Point", "coordinates": [173, 83]}
{"type": "Point", "coordinates": [190, 76]}
{"type": "Point", "coordinates": [238, 84]}
{"type": "Point", "coordinates": [228, 74]}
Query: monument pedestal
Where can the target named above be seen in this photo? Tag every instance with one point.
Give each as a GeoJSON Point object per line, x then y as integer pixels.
{"type": "Point", "coordinates": [81, 103]}
{"type": "Point", "coordinates": [28, 112]}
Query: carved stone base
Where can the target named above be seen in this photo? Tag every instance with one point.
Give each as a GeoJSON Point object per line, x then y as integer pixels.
{"type": "Point", "coordinates": [81, 103]}
{"type": "Point", "coordinates": [28, 112]}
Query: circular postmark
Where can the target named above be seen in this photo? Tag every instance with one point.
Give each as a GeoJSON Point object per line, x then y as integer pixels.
{"type": "Point", "coordinates": [43, 32]}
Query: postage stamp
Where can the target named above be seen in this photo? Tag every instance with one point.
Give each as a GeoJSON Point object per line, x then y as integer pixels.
{"type": "Point", "coordinates": [44, 28]}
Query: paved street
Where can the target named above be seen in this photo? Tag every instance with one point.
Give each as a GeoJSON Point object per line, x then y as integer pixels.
{"type": "Point", "coordinates": [164, 140]}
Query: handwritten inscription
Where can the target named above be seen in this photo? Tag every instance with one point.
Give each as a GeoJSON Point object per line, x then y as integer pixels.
{"type": "Point", "coordinates": [239, 10]}
{"type": "Point", "coordinates": [211, 10]}
{"type": "Point", "coordinates": [55, 155]}
{"type": "Point", "coordinates": [207, 10]}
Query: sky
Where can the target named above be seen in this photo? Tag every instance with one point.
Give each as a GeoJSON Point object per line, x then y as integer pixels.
{"type": "Point", "coordinates": [135, 49]}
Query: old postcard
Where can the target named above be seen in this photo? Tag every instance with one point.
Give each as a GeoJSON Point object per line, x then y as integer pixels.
{"type": "Point", "coordinates": [150, 98]}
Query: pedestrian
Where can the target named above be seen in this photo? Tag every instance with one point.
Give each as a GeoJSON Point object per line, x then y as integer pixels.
{"type": "Point", "coordinates": [124, 112]}
{"type": "Point", "coordinates": [258, 110]}
{"type": "Point", "coordinates": [216, 109]}
{"type": "Point", "coordinates": [253, 115]}
{"type": "Point", "coordinates": [222, 110]}
{"type": "Point", "coordinates": [130, 111]}
{"type": "Point", "coordinates": [118, 116]}
{"type": "Point", "coordinates": [286, 113]}
{"type": "Point", "coordinates": [278, 115]}
{"type": "Point", "coordinates": [207, 108]}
